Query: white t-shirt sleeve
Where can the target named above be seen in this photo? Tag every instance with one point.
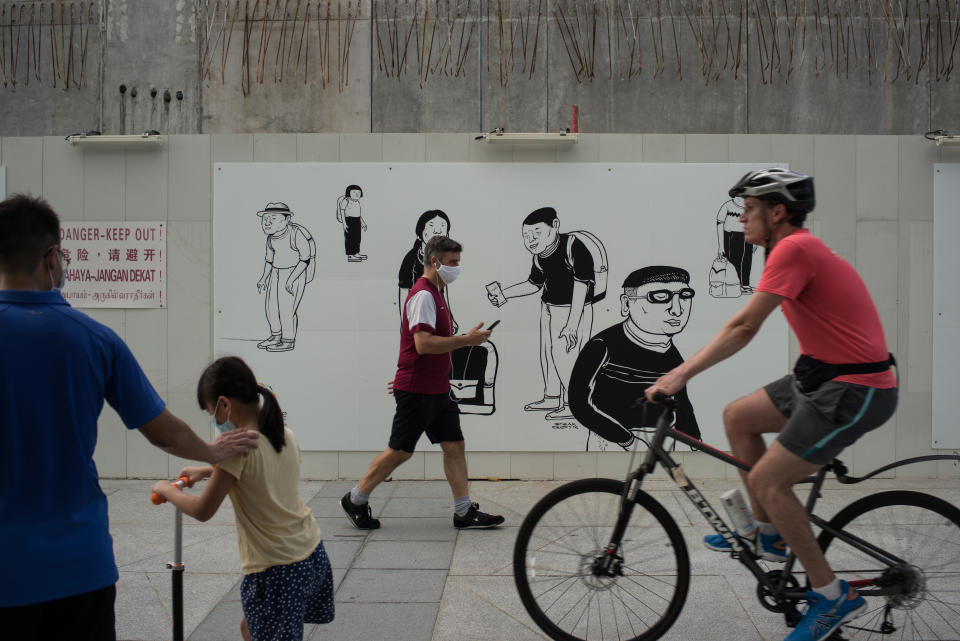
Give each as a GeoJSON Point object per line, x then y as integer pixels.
{"type": "Point", "coordinates": [422, 310]}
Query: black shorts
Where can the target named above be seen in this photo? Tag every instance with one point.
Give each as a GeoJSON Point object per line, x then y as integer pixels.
{"type": "Point", "coordinates": [435, 414]}
{"type": "Point", "coordinates": [88, 616]}
{"type": "Point", "coordinates": [823, 422]}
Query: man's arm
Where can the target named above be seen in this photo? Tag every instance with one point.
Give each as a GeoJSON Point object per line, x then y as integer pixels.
{"type": "Point", "coordinates": [173, 436]}
{"type": "Point", "coordinates": [735, 334]}
{"type": "Point", "coordinates": [427, 343]}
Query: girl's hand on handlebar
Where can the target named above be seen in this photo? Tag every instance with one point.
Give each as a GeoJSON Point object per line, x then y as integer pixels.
{"type": "Point", "coordinates": [195, 474]}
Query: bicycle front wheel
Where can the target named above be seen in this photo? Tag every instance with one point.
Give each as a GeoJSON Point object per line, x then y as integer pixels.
{"type": "Point", "coordinates": [555, 565]}
{"type": "Point", "coordinates": [923, 531]}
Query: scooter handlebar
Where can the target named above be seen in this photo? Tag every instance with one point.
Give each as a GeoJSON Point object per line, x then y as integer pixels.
{"type": "Point", "coordinates": [156, 499]}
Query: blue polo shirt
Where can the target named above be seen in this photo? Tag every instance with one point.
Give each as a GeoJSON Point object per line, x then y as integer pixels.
{"type": "Point", "coordinates": [57, 366]}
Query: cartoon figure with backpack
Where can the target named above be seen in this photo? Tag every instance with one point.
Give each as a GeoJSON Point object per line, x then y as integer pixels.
{"type": "Point", "coordinates": [290, 263]}
{"type": "Point", "coordinates": [570, 272]}
{"type": "Point", "coordinates": [729, 275]}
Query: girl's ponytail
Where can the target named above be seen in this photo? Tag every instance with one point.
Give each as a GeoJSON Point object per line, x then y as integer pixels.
{"type": "Point", "coordinates": [271, 418]}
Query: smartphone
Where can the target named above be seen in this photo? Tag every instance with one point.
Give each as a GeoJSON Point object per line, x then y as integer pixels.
{"type": "Point", "coordinates": [495, 323]}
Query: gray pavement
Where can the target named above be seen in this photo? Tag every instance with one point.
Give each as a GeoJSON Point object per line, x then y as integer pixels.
{"type": "Point", "coordinates": [417, 578]}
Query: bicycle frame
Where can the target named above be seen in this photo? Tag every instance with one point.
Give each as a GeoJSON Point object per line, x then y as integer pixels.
{"type": "Point", "coordinates": [741, 549]}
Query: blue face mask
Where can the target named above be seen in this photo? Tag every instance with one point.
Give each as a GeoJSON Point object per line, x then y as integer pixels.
{"type": "Point", "coordinates": [226, 426]}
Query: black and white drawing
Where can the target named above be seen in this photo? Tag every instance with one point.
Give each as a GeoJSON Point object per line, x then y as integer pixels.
{"type": "Point", "coordinates": [290, 263]}
{"type": "Point", "coordinates": [570, 272]}
{"type": "Point", "coordinates": [730, 271]}
{"type": "Point", "coordinates": [431, 223]}
{"type": "Point", "coordinates": [617, 365]}
{"type": "Point", "coordinates": [473, 374]}
{"type": "Point", "coordinates": [348, 215]}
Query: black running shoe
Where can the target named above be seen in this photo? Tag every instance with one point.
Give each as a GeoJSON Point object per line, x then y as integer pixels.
{"type": "Point", "coordinates": [359, 515]}
{"type": "Point", "coordinates": [475, 518]}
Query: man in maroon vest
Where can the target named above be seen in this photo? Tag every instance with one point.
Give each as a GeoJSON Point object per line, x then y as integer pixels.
{"type": "Point", "coordinates": [421, 389]}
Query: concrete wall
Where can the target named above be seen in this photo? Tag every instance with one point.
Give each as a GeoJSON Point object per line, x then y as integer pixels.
{"type": "Point", "coordinates": [875, 196]}
{"type": "Point", "coordinates": [671, 66]}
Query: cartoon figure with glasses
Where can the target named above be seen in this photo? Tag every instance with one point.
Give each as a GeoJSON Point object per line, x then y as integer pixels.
{"type": "Point", "coordinates": [619, 363]}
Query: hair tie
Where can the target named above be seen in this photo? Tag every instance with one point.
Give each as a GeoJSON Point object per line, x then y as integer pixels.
{"type": "Point", "coordinates": [263, 388]}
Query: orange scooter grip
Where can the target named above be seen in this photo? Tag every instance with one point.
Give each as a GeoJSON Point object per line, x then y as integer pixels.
{"type": "Point", "coordinates": [156, 499]}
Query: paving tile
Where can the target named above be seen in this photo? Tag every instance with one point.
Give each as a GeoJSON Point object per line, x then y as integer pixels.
{"type": "Point", "coordinates": [140, 614]}
{"type": "Point", "coordinates": [415, 529]}
{"type": "Point", "coordinates": [201, 594]}
{"type": "Point", "coordinates": [326, 506]}
{"type": "Point", "coordinates": [213, 551]}
{"type": "Point", "coordinates": [340, 528]}
{"type": "Point", "coordinates": [223, 624]}
{"type": "Point", "coordinates": [342, 552]}
{"type": "Point", "coordinates": [423, 489]}
{"type": "Point", "coordinates": [483, 608]}
{"type": "Point", "coordinates": [725, 618]}
{"type": "Point", "coordinates": [335, 488]}
{"type": "Point", "coordinates": [484, 552]}
{"type": "Point", "coordinates": [309, 489]}
{"type": "Point", "coordinates": [417, 555]}
{"type": "Point", "coordinates": [408, 507]}
{"type": "Point", "coordinates": [380, 622]}
{"type": "Point", "coordinates": [392, 586]}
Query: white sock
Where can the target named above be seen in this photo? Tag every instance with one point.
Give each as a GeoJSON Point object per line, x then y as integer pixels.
{"type": "Point", "coordinates": [357, 497]}
{"type": "Point", "coordinates": [462, 505]}
{"type": "Point", "coordinates": [766, 528]}
{"type": "Point", "coordinates": [831, 590]}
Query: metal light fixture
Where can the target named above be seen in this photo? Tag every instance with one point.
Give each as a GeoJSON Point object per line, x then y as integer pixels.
{"type": "Point", "coordinates": [499, 135]}
{"type": "Point", "coordinates": [151, 138]}
{"type": "Point", "coordinates": [942, 137]}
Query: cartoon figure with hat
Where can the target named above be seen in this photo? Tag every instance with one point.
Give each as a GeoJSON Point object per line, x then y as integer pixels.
{"type": "Point", "coordinates": [289, 264]}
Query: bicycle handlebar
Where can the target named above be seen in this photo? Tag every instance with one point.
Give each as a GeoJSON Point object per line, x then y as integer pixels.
{"type": "Point", "coordinates": [180, 483]}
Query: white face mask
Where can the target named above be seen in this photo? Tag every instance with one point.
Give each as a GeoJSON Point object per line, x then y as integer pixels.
{"type": "Point", "coordinates": [56, 286]}
{"type": "Point", "coordinates": [447, 273]}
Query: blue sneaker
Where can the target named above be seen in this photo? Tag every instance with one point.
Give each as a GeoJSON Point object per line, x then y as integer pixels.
{"type": "Point", "coordinates": [823, 616]}
{"type": "Point", "coordinates": [772, 546]}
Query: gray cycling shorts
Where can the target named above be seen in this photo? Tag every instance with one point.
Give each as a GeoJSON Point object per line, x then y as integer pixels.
{"type": "Point", "coordinates": [820, 424]}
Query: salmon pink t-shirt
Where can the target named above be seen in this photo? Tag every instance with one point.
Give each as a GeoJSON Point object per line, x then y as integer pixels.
{"type": "Point", "coordinates": [827, 305]}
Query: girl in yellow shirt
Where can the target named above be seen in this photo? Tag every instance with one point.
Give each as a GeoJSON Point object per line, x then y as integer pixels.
{"type": "Point", "coordinates": [287, 580]}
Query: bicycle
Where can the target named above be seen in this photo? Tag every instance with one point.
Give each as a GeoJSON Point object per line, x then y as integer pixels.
{"type": "Point", "coordinates": [599, 558]}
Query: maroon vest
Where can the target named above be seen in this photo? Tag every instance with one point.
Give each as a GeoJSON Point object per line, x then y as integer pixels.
{"type": "Point", "coordinates": [424, 373]}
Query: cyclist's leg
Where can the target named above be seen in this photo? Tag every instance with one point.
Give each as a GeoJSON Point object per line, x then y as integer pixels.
{"type": "Point", "coordinates": [771, 481]}
{"type": "Point", "coordinates": [745, 420]}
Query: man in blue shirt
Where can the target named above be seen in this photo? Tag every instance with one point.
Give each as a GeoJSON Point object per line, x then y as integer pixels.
{"type": "Point", "coordinates": [57, 366]}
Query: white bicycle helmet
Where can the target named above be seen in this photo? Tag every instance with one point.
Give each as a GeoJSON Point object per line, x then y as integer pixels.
{"type": "Point", "coordinates": [793, 189]}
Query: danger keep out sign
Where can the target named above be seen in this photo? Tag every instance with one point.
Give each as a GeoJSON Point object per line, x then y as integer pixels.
{"type": "Point", "coordinates": [114, 264]}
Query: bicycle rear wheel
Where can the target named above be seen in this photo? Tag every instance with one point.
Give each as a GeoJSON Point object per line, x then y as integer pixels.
{"type": "Point", "coordinates": [922, 530]}
{"type": "Point", "coordinates": [553, 565]}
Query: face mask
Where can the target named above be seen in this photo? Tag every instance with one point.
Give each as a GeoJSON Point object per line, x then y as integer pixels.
{"type": "Point", "coordinates": [448, 274]}
{"type": "Point", "coordinates": [56, 287]}
{"type": "Point", "coordinates": [226, 426]}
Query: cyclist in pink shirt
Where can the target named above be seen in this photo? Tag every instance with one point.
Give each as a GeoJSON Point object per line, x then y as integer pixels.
{"type": "Point", "coordinates": [842, 386]}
